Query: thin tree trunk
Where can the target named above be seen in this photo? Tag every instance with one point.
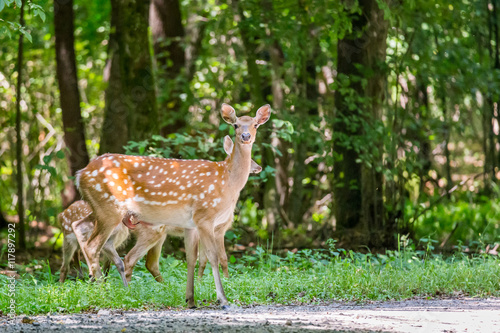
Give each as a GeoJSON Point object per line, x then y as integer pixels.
{"type": "Point", "coordinates": [130, 112]}
{"type": "Point", "coordinates": [496, 66]}
{"type": "Point", "coordinates": [277, 192]}
{"type": "Point", "coordinates": [165, 20]}
{"type": "Point", "coordinates": [74, 133]}
{"type": "Point", "coordinates": [3, 221]}
{"type": "Point", "coordinates": [423, 137]}
{"type": "Point", "coordinates": [19, 143]}
{"type": "Point", "coordinates": [441, 94]}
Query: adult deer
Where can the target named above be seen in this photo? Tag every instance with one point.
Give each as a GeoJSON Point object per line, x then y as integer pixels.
{"type": "Point", "coordinates": [196, 195]}
{"type": "Point", "coordinates": [154, 237]}
{"type": "Point", "coordinates": [147, 238]}
{"type": "Point", "coordinates": [221, 229]}
{"type": "Point", "coordinates": [77, 223]}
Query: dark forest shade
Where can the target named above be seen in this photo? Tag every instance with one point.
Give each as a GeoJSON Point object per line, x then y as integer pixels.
{"type": "Point", "coordinates": [130, 112]}
{"type": "Point", "coordinates": [165, 20]}
{"type": "Point", "coordinates": [69, 96]}
{"type": "Point", "coordinates": [358, 189]}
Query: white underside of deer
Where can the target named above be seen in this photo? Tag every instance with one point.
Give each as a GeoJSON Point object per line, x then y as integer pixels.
{"type": "Point", "coordinates": [196, 195]}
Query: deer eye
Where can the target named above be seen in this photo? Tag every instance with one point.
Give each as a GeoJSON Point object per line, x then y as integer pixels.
{"type": "Point", "coordinates": [235, 126]}
{"type": "Point", "coordinates": [256, 125]}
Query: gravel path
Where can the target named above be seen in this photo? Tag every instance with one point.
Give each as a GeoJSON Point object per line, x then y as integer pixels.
{"type": "Point", "coordinates": [447, 315]}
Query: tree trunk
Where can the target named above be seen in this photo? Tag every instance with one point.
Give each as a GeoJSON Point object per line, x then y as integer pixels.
{"type": "Point", "coordinates": [357, 188]}
{"type": "Point", "coordinates": [74, 133]}
{"type": "Point", "coordinates": [165, 20]}
{"type": "Point", "coordinates": [21, 241]}
{"type": "Point", "coordinates": [130, 112]}
{"type": "Point", "coordinates": [423, 111]}
{"type": "Point", "coordinates": [3, 222]}
{"type": "Point", "coordinates": [277, 192]}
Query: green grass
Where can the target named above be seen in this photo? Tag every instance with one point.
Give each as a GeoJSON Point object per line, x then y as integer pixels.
{"type": "Point", "coordinates": [263, 278]}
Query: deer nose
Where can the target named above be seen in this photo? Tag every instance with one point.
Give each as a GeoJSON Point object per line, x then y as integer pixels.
{"type": "Point", "coordinates": [245, 137]}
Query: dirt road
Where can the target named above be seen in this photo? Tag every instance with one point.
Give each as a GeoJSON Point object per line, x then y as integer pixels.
{"type": "Point", "coordinates": [450, 315]}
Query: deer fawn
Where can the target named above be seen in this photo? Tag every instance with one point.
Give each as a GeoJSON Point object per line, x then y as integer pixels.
{"type": "Point", "coordinates": [80, 211]}
{"type": "Point", "coordinates": [196, 195]}
{"type": "Point", "coordinates": [77, 224]}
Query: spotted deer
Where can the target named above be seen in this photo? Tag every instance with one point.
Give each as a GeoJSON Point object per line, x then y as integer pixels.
{"type": "Point", "coordinates": [77, 223]}
{"type": "Point", "coordinates": [82, 212]}
{"type": "Point", "coordinates": [221, 229]}
{"type": "Point", "coordinates": [148, 239]}
{"type": "Point", "coordinates": [196, 195]}
{"type": "Point", "coordinates": [154, 237]}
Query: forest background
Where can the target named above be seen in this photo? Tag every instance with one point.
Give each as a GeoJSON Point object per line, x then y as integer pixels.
{"type": "Point", "coordinates": [385, 124]}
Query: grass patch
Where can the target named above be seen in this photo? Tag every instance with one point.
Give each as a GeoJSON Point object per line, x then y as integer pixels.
{"type": "Point", "coordinates": [264, 278]}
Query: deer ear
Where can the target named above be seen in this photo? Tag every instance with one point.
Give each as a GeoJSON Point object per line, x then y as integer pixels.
{"type": "Point", "coordinates": [263, 114]}
{"type": "Point", "coordinates": [228, 145]}
{"type": "Point", "coordinates": [254, 167]}
{"type": "Point", "coordinates": [228, 113]}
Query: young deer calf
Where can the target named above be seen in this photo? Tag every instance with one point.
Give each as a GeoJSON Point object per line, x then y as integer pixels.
{"type": "Point", "coordinates": [82, 212]}
{"type": "Point", "coordinates": [196, 195]}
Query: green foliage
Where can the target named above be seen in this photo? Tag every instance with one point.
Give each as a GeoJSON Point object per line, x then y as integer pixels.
{"type": "Point", "coordinates": [262, 277]}
{"type": "Point", "coordinates": [198, 145]}
{"type": "Point", "coordinates": [465, 222]}
{"type": "Point", "coordinates": [7, 28]}
{"type": "Point", "coordinates": [440, 85]}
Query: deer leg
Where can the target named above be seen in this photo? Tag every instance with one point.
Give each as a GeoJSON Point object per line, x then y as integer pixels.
{"type": "Point", "coordinates": [221, 253]}
{"type": "Point", "coordinates": [153, 259]}
{"type": "Point", "coordinates": [80, 229]}
{"type": "Point", "coordinates": [92, 248]}
{"type": "Point", "coordinates": [110, 252]}
{"type": "Point", "coordinates": [70, 245]}
{"type": "Point", "coordinates": [207, 237]}
{"type": "Point", "coordinates": [106, 266]}
{"type": "Point", "coordinates": [191, 241]}
{"type": "Point", "coordinates": [146, 240]}
{"type": "Point", "coordinates": [79, 264]}
{"type": "Point", "coordinates": [202, 262]}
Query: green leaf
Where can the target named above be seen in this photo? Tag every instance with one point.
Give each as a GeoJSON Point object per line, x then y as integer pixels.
{"type": "Point", "coordinates": [19, 3]}
{"type": "Point", "coordinates": [60, 154]}
{"type": "Point", "coordinates": [41, 13]}
{"type": "Point", "coordinates": [2, 5]}
{"type": "Point", "coordinates": [47, 158]}
{"type": "Point", "coordinates": [27, 35]}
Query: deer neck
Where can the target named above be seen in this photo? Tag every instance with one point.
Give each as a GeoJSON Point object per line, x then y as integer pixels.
{"type": "Point", "coordinates": [238, 166]}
